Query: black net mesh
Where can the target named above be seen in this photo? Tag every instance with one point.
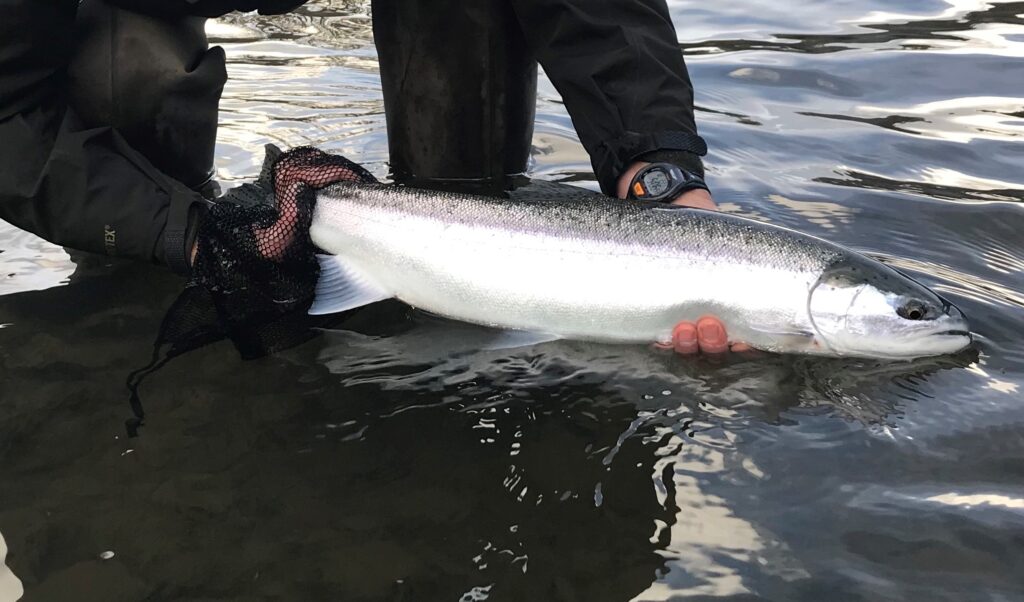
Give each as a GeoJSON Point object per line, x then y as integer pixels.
{"type": "Point", "coordinates": [257, 261]}
{"type": "Point", "coordinates": [255, 269]}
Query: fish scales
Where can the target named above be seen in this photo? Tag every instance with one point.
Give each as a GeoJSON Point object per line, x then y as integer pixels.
{"type": "Point", "coordinates": [611, 270]}
{"type": "Point", "coordinates": [646, 225]}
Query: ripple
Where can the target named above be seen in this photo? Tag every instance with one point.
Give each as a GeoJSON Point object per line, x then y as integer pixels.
{"type": "Point", "coordinates": [944, 191]}
{"type": "Point", "coordinates": [822, 213]}
{"type": "Point", "coordinates": [960, 119]}
{"type": "Point", "coordinates": [334, 24]}
{"type": "Point", "coordinates": [10, 585]}
{"type": "Point", "coordinates": [706, 541]}
{"type": "Point", "coordinates": [738, 117]}
{"type": "Point", "coordinates": [1003, 261]}
{"type": "Point", "coordinates": [972, 501]}
{"type": "Point", "coordinates": [439, 355]}
{"type": "Point", "coordinates": [967, 26]}
{"type": "Point", "coordinates": [798, 78]}
{"type": "Point", "coordinates": [960, 283]}
{"type": "Point", "coordinates": [889, 122]}
{"type": "Point", "coordinates": [29, 263]}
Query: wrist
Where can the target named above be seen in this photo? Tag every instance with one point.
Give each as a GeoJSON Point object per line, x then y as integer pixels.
{"type": "Point", "coordinates": [661, 182]}
{"type": "Point", "coordinates": [626, 178]}
{"type": "Point", "coordinates": [195, 215]}
{"type": "Point", "coordinates": [699, 198]}
{"type": "Point", "coordinates": [612, 156]}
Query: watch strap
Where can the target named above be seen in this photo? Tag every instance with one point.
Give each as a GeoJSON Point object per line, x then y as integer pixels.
{"type": "Point", "coordinates": [689, 181]}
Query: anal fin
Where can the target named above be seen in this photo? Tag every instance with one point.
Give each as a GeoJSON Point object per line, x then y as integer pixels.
{"type": "Point", "coordinates": [342, 287]}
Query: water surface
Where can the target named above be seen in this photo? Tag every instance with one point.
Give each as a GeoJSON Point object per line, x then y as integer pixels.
{"type": "Point", "coordinates": [397, 461]}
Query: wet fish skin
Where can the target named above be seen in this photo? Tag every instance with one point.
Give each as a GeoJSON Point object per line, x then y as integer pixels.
{"type": "Point", "coordinates": [623, 271]}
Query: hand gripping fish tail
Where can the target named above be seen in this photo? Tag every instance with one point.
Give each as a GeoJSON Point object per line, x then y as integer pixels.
{"type": "Point", "coordinates": [255, 269]}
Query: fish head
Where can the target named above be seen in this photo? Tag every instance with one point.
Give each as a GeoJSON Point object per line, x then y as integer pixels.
{"type": "Point", "coordinates": [861, 307]}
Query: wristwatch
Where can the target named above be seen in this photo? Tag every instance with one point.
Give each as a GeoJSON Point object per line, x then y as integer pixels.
{"type": "Point", "coordinates": [663, 182]}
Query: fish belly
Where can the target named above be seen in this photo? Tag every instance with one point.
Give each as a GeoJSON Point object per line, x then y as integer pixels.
{"type": "Point", "coordinates": [509, 279]}
{"type": "Point", "coordinates": [552, 283]}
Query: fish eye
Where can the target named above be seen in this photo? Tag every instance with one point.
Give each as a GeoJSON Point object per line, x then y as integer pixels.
{"type": "Point", "coordinates": [913, 309]}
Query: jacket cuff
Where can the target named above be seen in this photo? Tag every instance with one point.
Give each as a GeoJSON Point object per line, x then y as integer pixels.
{"type": "Point", "coordinates": [613, 157]}
{"type": "Point", "coordinates": [183, 217]}
{"type": "Point", "coordinates": [687, 160]}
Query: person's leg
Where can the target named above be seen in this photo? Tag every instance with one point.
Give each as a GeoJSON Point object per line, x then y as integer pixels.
{"type": "Point", "coordinates": [459, 90]}
{"type": "Point", "coordinates": [154, 80]}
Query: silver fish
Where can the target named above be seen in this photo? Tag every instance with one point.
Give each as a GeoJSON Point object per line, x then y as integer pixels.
{"type": "Point", "coordinates": [619, 271]}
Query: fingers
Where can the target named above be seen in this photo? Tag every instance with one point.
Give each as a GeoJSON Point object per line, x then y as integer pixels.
{"type": "Point", "coordinates": [291, 175]}
{"type": "Point", "coordinates": [711, 335]}
{"type": "Point", "coordinates": [707, 335]}
{"type": "Point", "coordinates": [315, 176]}
{"type": "Point", "coordinates": [275, 239]}
{"type": "Point", "coordinates": [311, 167]}
{"type": "Point", "coordinates": [684, 338]}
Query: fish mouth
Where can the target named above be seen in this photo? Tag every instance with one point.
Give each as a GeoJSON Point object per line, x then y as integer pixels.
{"type": "Point", "coordinates": [952, 340]}
{"type": "Point", "coordinates": [943, 342]}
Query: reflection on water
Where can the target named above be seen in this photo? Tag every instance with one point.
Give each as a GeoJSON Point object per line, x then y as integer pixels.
{"type": "Point", "coordinates": [423, 353]}
{"type": "Point", "coordinates": [28, 263]}
{"type": "Point", "coordinates": [822, 213]}
{"type": "Point", "coordinates": [963, 119]}
{"type": "Point", "coordinates": [402, 457]}
{"type": "Point", "coordinates": [10, 587]}
{"type": "Point", "coordinates": [950, 25]}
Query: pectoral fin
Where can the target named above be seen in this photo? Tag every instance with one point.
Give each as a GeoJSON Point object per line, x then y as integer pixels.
{"type": "Point", "coordinates": [785, 332]}
{"type": "Point", "coordinates": [786, 338]}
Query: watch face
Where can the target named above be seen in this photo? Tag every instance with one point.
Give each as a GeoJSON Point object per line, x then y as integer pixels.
{"type": "Point", "coordinates": [656, 182]}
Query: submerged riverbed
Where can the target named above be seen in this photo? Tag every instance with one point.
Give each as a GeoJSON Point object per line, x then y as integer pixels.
{"type": "Point", "coordinates": [399, 462]}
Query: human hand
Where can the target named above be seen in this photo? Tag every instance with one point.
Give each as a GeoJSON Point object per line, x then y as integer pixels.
{"type": "Point", "coordinates": [708, 334]}
{"type": "Point", "coordinates": [697, 198]}
{"type": "Point", "coordinates": [300, 171]}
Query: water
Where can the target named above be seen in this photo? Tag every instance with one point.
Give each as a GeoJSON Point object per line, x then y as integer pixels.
{"type": "Point", "coordinates": [398, 462]}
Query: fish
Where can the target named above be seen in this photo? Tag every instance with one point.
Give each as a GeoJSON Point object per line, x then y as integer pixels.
{"type": "Point", "coordinates": [618, 271]}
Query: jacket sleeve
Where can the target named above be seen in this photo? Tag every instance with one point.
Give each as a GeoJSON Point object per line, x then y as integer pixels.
{"type": "Point", "coordinates": [74, 186]}
{"type": "Point", "coordinates": [619, 69]}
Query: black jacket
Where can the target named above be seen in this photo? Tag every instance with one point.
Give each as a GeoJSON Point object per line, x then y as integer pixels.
{"type": "Point", "coordinates": [616, 63]}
